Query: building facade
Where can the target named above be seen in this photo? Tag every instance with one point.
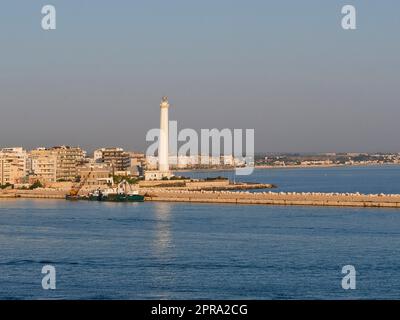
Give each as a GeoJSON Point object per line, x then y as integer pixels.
{"type": "Point", "coordinates": [97, 175]}
{"type": "Point", "coordinates": [56, 164]}
{"type": "Point", "coordinates": [13, 165]}
{"type": "Point", "coordinates": [117, 158]}
{"type": "Point", "coordinates": [68, 159]}
{"type": "Point", "coordinates": [43, 165]}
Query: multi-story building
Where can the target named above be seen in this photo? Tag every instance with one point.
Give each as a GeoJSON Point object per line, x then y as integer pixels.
{"type": "Point", "coordinates": [185, 162]}
{"type": "Point", "coordinates": [57, 163]}
{"type": "Point", "coordinates": [151, 162]}
{"type": "Point", "coordinates": [117, 158]}
{"type": "Point", "coordinates": [227, 160]}
{"type": "Point", "coordinates": [95, 175]}
{"type": "Point", "coordinates": [137, 159]}
{"type": "Point", "coordinates": [68, 159]}
{"type": "Point", "coordinates": [43, 165]}
{"type": "Point", "coordinates": [196, 161]}
{"type": "Point", "coordinates": [13, 165]}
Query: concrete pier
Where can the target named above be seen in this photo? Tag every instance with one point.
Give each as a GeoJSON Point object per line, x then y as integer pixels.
{"type": "Point", "coordinates": [32, 194]}
{"type": "Point", "coordinates": [240, 197]}
{"type": "Point", "coordinates": [278, 198]}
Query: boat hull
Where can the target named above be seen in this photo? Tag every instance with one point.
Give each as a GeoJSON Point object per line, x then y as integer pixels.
{"type": "Point", "coordinates": [118, 198]}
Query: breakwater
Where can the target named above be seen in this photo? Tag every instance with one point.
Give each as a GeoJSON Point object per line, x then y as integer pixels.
{"type": "Point", "coordinates": [241, 197]}
{"type": "Point", "coordinates": [33, 194]}
{"type": "Point", "coordinates": [278, 198]}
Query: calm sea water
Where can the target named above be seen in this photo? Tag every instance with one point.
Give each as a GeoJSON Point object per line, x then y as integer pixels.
{"type": "Point", "coordinates": [186, 251]}
{"type": "Point", "coordinates": [372, 179]}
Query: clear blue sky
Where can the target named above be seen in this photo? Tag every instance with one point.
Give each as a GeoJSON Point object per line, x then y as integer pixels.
{"type": "Point", "coordinates": [285, 68]}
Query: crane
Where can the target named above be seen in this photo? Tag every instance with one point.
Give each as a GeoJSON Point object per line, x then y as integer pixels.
{"type": "Point", "coordinates": [73, 193]}
{"type": "Point", "coordinates": [123, 186]}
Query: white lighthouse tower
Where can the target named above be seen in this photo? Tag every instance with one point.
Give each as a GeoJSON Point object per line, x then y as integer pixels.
{"type": "Point", "coordinates": [163, 154]}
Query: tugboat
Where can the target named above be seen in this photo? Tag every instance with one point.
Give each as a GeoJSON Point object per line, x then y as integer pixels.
{"type": "Point", "coordinates": [118, 194]}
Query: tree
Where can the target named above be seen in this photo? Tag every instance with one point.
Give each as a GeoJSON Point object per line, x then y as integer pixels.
{"type": "Point", "coordinates": [36, 185]}
{"type": "Point", "coordinates": [5, 186]}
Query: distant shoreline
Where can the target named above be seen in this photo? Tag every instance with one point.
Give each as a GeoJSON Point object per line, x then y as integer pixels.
{"type": "Point", "coordinates": [293, 167]}
{"type": "Point", "coordinates": [327, 166]}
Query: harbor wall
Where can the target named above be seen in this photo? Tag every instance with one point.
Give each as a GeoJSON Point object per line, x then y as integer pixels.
{"type": "Point", "coordinates": [33, 194]}
{"type": "Point", "coordinates": [239, 197]}
{"type": "Point", "coordinates": [270, 198]}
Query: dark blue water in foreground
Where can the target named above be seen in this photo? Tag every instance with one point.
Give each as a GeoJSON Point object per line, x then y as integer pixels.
{"type": "Point", "coordinates": [185, 251]}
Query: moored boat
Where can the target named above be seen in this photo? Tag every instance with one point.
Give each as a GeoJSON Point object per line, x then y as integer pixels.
{"type": "Point", "coordinates": [113, 195]}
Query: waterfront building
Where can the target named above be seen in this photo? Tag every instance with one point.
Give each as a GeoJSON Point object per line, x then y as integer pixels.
{"type": "Point", "coordinates": [117, 158]}
{"type": "Point", "coordinates": [68, 159]}
{"type": "Point", "coordinates": [207, 160]}
{"type": "Point", "coordinates": [204, 160]}
{"type": "Point", "coordinates": [196, 161]}
{"type": "Point", "coordinates": [43, 165]}
{"type": "Point", "coordinates": [151, 163]}
{"type": "Point", "coordinates": [239, 162]}
{"type": "Point", "coordinates": [56, 164]}
{"type": "Point", "coordinates": [95, 175]}
{"type": "Point", "coordinates": [13, 165]}
{"type": "Point", "coordinates": [186, 162]}
{"type": "Point", "coordinates": [183, 161]}
{"type": "Point", "coordinates": [215, 160]}
{"type": "Point", "coordinates": [137, 159]}
{"type": "Point", "coordinates": [227, 160]}
{"type": "Point", "coordinates": [138, 162]}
